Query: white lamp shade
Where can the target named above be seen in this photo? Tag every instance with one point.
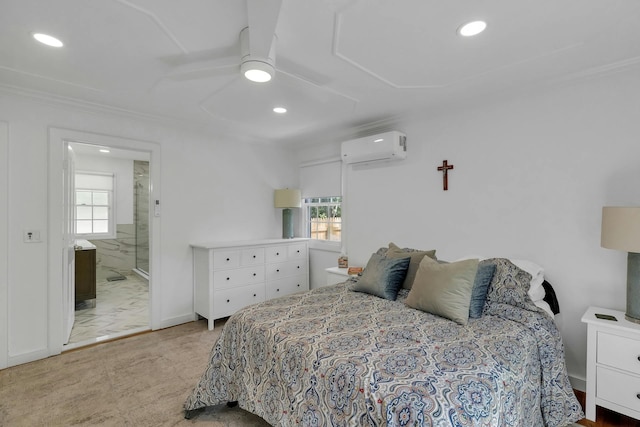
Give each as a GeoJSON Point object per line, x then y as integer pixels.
{"type": "Point", "coordinates": [621, 228]}
{"type": "Point", "coordinates": [287, 198]}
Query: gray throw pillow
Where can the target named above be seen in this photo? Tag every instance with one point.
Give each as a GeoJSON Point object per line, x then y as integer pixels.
{"type": "Point", "coordinates": [416, 257]}
{"type": "Point", "coordinates": [382, 277]}
{"type": "Point", "coordinates": [444, 289]}
{"type": "Point", "coordinates": [480, 288]}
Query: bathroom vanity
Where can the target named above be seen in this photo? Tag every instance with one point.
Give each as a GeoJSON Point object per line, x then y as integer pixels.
{"type": "Point", "coordinates": [85, 270]}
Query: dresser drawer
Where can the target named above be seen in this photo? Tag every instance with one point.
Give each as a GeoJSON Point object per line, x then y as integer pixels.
{"type": "Point", "coordinates": [226, 259]}
{"type": "Point", "coordinates": [228, 301]}
{"type": "Point", "coordinates": [237, 277]}
{"type": "Point", "coordinates": [297, 251]}
{"type": "Point", "coordinates": [619, 352]}
{"type": "Point", "coordinates": [286, 286]}
{"type": "Point", "coordinates": [252, 256]}
{"type": "Point", "coordinates": [619, 388]}
{"type": "Point", "coordinates": [276, 253]}
{"type": "Point", "coordinates": [285, 269]}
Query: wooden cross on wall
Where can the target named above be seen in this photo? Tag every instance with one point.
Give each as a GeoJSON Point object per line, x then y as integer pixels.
{"type": "Point", "coordinates": [445, 174]}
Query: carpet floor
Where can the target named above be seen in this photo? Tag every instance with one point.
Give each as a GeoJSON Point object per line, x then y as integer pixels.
{"type": "Point", "coordinates": [137, 381]}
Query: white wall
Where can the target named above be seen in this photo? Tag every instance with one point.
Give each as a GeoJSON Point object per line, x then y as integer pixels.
{"type": "Point", "coordinates": [531, 176]}
{"type": "Point", "coordinates": [212, 189]}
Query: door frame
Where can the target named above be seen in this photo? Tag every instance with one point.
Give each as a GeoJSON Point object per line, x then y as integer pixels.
{"type": "Point", "coordinates": [57, 139]}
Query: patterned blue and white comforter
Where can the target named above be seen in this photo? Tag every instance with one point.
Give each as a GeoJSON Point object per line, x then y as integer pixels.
{"type": "Point", "coordinates": [334, 357]}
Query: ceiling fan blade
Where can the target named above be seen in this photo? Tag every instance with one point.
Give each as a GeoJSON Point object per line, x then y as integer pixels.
{"type": "Point", "coordinates": [202, 71]}
{"type": "Point", "coordinates": [263, 19]}
{"type": "Point", "coordinates": [301, 72]}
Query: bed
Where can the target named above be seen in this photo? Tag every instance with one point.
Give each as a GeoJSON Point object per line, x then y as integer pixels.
{"type": "Point", "coordinates": [339, 356]}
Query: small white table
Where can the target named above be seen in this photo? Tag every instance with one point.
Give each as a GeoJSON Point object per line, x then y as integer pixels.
{"type": "Point", "coordinates": [613, 363]}
{"type": "Point", "coordinates": [336, 275]}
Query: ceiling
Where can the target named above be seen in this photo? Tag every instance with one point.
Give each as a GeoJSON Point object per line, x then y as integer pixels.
{"type": "Point", "coordinates": [341, 64]}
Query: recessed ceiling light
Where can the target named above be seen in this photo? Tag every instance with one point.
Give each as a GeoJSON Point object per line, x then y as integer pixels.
{"type": "Point", "coordinates": [472, 28]}
{"type": "Point", "coordinates": [102, 150]}
{"type": "Point", "coordinates": [279, 110]}
{"type": "Point", "coordinates": [48, 40]}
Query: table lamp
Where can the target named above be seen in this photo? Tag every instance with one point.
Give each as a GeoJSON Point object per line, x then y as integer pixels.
{"type": "Point", "coordinates": [287, 198]}
{"type": "Point", "coordinates": [621, 231]}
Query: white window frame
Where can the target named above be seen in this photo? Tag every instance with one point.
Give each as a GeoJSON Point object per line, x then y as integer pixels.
{"type": "Point", "coordinates": [331, 245]}
{"type": "Point", "coordinates": [111, 207]}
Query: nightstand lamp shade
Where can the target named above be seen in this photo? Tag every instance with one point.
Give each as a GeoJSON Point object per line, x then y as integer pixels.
{"type": "Point", "coordinates": [287, 198]}
{"type": "Point", "coordinates": [621, 231]}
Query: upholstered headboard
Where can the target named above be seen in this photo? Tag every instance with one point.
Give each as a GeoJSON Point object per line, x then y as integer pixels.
{"type": "Point", "coordinates": [550, 297]}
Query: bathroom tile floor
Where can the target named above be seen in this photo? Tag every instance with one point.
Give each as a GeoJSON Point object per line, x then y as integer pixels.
{"type": "Point", "coordinates": [121, 307]}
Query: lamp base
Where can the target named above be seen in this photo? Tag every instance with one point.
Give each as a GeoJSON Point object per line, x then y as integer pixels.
{"type": "Point", "coordinates": [287, 223]}
{"type": "Point", "coordinates": [633, 287]}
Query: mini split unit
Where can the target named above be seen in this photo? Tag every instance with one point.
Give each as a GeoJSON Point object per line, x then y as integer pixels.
{"type": "Point", "coordinates": [385, 146]}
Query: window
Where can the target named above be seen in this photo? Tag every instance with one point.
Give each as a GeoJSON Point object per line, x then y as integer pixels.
{"type": "Point", "coordinates": [94, 205]}
{"type": "Point", "coordinates": [324, 218]}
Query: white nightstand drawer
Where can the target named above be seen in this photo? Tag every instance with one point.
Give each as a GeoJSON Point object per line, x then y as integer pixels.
{"type": "Point", "coordinates": [619, 388]}
{"type": "Point", "coordinates": [619, 352]}
{"type": "Point", "coordinates": [239, 276]}
{"type": "Point", "coordinates": [226, 259]}
{"type": "Point", "coordinates": [228, 301]}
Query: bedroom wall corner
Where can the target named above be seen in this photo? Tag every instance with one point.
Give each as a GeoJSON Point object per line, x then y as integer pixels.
{"type": "Point", "coordinates": [4, 245]}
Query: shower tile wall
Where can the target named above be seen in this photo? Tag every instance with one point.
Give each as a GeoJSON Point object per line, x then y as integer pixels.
{"type": "Point", "coordinates": [116, 256]}
{"type": "Point", "coordinates": [130, 248]}
{"type": "Point", "coordinates": [141, 213]}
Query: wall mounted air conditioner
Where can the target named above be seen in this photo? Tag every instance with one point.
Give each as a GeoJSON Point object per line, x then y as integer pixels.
{"type": "Point", "coordinates": [384, 146]}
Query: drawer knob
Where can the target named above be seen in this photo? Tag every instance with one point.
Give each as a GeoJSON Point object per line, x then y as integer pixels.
{"type": "Point", "coordinates": [298, 266]}
{"type": "Point", "coordinates": [298, 284]}
{"type": "Point", "coordinates": [638, 358]}
{"type": "Point", "coordinates": [228, 300]}
{"type": "Point", "coordinates": [227, 259]}
{"type": "Point", "coordinates": [298, 251]}
{"type": "Point", "coordinates": [277, 253]}
{"type": "Point", "coordinates": [277, 290]}
{"type": "Point", "coordinates": [638, 395]}
{"type": "Point", "coordinates": [254, 256]}
{"type": "Point", "coordinates": [278, 271]}
{"type": "Point", "coordinates": [254, 295]}
{"type": "Point", "coordinates": [227, 278]}
{"type": "Point", "coordinates": [254, 274]}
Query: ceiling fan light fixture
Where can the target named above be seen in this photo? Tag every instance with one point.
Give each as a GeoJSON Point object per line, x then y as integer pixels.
{"type": "Point", "coordinates": [257, 71]}
{"type": "Point", "coordinates": [472, 28]}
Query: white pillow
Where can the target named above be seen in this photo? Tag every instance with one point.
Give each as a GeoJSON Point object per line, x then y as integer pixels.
{"type": "Point", "coordinates": [536, 290]}
{"type": "Point", "coordinates": [545, 306]}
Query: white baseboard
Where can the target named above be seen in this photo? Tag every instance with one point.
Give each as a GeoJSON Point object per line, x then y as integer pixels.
{"type": "Point", "coordinates": [578, 383]}
{"type": "Point", "coordinates": [27, 357]}
{"type": "Point", "coordinates": [175, 321]}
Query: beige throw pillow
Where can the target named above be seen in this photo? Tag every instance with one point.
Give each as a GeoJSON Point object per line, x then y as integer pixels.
{"type": "Point", "coordinates": [444, 289]}
{"type": "Point", "coordinates": [416, 256]}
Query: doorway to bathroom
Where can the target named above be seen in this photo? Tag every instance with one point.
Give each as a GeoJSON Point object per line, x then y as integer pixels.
{"type": "Point", "coordinates": [112, 194]}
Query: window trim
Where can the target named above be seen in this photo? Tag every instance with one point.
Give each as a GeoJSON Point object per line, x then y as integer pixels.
{"type": "Point", "coordinates": [327, 245]}
{"type": "Point", "coordinates": [111, 207]}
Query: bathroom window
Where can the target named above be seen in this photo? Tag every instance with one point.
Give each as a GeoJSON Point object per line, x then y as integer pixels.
{"type": "Point", "coordinates": [94, 205]}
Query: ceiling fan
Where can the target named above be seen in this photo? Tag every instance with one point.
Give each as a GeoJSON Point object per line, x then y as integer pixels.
{"type": "Point", "coordinates": [254, 54]}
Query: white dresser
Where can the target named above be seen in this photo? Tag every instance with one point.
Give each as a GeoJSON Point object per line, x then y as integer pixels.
{"type": "Point", "coordinates": [230, 275]}
{"type": "Point", "coordinates": [613, 363]}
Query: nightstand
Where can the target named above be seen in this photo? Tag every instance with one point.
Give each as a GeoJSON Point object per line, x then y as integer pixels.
{"type": "Point", "coordinates": [336, 275]}
{"type": "Point", "coordinates": [613, 363]}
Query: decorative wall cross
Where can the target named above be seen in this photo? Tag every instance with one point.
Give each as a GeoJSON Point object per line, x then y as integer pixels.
{"type": "Point", "coordinates": [445, 174]}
